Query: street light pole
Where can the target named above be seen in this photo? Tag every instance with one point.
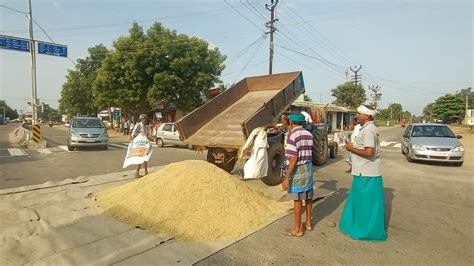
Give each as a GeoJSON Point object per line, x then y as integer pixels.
{"type": "Point", "coordinates": [33, 65]}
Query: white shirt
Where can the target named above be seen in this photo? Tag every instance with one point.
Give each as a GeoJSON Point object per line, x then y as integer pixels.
{"type": "Point", "coordinates": [307, 117]}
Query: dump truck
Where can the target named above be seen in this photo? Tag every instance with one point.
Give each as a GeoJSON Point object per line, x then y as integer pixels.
{"type": "Point", "coordinates": [223, 124]}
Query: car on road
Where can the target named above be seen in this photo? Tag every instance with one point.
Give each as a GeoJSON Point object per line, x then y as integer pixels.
{"type": "Point", "coordinates": [87, 132]}
{"type": "Point", "coordinates": [168, 134]}
{"type": "Point", "coordinates": [432, 142]}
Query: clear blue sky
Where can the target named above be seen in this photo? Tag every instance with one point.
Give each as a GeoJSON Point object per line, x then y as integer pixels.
{"type": "Point", "coordinates": [415, 50]}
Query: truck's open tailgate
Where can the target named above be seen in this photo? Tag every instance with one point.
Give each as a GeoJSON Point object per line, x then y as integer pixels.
{"type": "Point", "coordinates": [225, 129]}
{"type": "Point", "coordinates": [228, 119]}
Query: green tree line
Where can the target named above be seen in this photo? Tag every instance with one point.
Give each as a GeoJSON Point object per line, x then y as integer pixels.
{"type": "Point", "coordinates": [142, 69]}
{"type": "Point", "coordinates": [450, 108]}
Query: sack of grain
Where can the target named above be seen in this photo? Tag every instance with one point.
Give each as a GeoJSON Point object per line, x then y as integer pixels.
{"type": "Point", "coordinates": [139, 151]}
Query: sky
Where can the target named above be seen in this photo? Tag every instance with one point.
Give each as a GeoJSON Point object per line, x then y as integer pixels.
{"type": "Point", "coordinates": [416, 50]}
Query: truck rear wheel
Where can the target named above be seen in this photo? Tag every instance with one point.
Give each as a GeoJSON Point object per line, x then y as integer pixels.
{"type": "Point", "coordinates": [222, 158]}
{"type": "Point", "coordinates": [320, 147]}
{"type": "Point", "coordinates": [276, 155]}
{"type": "Point", "coordinates": [333, 147]}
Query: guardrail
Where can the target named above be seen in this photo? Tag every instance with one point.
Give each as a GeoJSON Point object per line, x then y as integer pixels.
{"type": "Point", "coordinates": [23, 134]}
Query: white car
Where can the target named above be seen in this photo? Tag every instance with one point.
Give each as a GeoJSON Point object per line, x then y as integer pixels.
{"type": "Point", "coordinates": [168, 134]}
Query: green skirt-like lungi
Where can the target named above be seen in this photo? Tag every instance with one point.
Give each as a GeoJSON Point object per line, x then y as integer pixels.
{"type": "Point", "coordinates": [363, 216]}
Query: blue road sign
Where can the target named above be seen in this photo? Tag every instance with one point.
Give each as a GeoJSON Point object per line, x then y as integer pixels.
{"type": "Point", "coordinates": [52, 49]}
{"type": "Point", "coordinates": [13, 43]}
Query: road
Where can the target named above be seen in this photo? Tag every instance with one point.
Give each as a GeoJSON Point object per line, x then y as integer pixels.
{"type": "Point", "coordinates": [56, 163]}
{"type": "Point", "coordinates": [429, 208]}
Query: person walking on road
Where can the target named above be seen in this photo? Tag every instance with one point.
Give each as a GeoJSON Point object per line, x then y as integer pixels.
{"type": "Point", "coordinates": [126, 126]}
{"type": "Point", "coordinates": [141, 129]}
{"type": "Point", "coordinates": [298, 177]}
{"type": "Point", "coordinates": [363, 215]}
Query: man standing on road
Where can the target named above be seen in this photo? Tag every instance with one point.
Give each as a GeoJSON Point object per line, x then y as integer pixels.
{"type": "Point", "coordinates": [363, 216]}
{"type": "Point", "coordinates": [141, 129]}
{"type": "Point", "coordinates": [298, 179]}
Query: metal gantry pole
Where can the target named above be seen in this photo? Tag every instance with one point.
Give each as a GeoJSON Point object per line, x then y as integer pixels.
{"type": "Point", "coordinates": [33, 65]}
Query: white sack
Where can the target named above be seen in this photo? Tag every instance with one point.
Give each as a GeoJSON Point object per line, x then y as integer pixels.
{"type": "Point", "coordinates": [257, 165]}
{"type": "Point", "coordinates": [139, 151]}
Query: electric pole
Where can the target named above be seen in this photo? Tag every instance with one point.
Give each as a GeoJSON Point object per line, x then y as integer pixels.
{"type": "Point", "coordinates": [271, 7]}
{"type": "Point", "coordinates": [376, 95]}
{"type": "Point", "coordinates": [356, 76]}
{"type": "Point", "coordinates": [33, 65]}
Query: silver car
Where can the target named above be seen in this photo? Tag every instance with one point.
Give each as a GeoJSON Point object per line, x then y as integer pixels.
{"type": "Point", "coordinates": [168, 134]}
{"type": "Point", "coordinates": [87, 132]}
{"type": "Point", "coordinates": [432, 142]}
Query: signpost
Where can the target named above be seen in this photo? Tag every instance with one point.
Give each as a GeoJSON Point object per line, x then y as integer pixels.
{"type": "Point", "coordinates": [14, 43]}
{"type": "Point", "coordinates": [29, 45]}
{"type": "Point", "coordinates": [52, 49]}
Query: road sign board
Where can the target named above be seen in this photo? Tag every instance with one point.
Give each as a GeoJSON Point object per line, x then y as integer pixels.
{"type": "Point", "coordinates": [14, 43]}
{"type": "Point", "coordinates": [52, 49]}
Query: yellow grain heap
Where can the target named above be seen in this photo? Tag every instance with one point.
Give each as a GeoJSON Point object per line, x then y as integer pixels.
{"type": "Point", "coordinates": [192, 200]}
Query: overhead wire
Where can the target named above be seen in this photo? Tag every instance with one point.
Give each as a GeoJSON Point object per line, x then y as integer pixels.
{"type": "Point", "coordinates": [322, 40]}
{"type": "Point", "coordinates": [250, 59]}
{"type": "Point", "coordinates": [242, 15]}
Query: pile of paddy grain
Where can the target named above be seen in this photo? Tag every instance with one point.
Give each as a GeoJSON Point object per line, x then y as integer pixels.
{"type": "Point", "coordinates": [192, 200]}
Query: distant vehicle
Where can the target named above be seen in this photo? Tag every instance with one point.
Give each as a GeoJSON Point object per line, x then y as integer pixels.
{"type": "Point", "coordinates": [432, 142]}
{"type": "Point", "coordinates": [87, 132]}
{"type": "Point", "coordinates": [168, 134]}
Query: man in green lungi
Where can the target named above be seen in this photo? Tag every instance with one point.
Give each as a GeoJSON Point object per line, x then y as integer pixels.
{"type": "Point", "coordinates": [363, 216]}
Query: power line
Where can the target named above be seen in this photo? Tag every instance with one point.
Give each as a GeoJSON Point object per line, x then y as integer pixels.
{"type": "Point", "coordinates": [250, 59]}
{"type": "Point", "coordinates": [15, 10]}
{"type": "Point", "coordinates": [252, 9]}
{"type": "Point", "coordinates": [242, 15]}
{"type": "Point", "coordinates": [108, 25]}
{"type": "Point", "coordinates": [322, 40]}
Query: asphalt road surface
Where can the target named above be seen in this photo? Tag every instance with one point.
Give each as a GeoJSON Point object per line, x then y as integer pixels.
{"type": "Point", "coordinates": [429, 208]}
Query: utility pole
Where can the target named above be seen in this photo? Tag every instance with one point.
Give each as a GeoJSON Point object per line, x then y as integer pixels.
{"type": "Point", "coordinates": [33, 65]}
{"type": "Point", "coordinates": [376, 95]}
{"type": "Point", "coordinates": [347, 76]}
{"type": "Point", "coordinates": [467, 106]}
{"type": "Point", "coordinates": [271, 7]}
{"type": "Point", "coordinates": [356, 76]}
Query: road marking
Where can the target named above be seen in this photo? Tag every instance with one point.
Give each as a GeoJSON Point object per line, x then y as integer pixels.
{"type": "Point", "coordinates": [44, 151]}
{"type": "Point", "coordinates": [16, 152]}
{"type": "Point", "coordinates": [398, 145]}
{"type": "Point", "coordinates": [118, 145]}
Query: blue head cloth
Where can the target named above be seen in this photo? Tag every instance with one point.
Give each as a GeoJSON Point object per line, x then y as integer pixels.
{"type": "Point", "coordinates": [296, 118]}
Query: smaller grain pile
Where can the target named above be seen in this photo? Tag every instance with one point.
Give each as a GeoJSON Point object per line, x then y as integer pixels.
{"type": "Point", "coordinates": [192, 200]}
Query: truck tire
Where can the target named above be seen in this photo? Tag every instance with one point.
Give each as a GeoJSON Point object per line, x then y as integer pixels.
{"type": "Point", "coordinates": [230, 158]}
{"type": "Point", "coordinates": [333, 147]}
{"type": "Point", "coordinates": [320, 146]}
{"type": "Point", "coordinates": [276, 156]}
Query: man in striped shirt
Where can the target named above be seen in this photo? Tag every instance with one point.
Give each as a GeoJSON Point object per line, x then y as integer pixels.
{"type": "Point", "coordinates": [298, 179]}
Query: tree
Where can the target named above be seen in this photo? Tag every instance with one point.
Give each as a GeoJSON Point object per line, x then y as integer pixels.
{"type": "Point", "coordinates": [77, 94]}
{"type": "Point", "coordinates": [449, 108]}
{"type": "Point", "coordinates": [349, 95]}
{"type": "Point", "coordinates": [428, 112]}
{"type": "Point", "coordinates": [157, 65]}
{"type": "Point", "coordinates": [307, 98]}
{"type": "Point", "coordinates": [393, 112]}
{"type": "Point", "coordinates": [9, 112]}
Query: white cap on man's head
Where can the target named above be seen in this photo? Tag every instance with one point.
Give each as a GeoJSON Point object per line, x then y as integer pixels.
{"type": "Point", "coordinates": [366, 111]}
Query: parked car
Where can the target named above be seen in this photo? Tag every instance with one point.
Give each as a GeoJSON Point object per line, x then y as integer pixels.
{"type": "Point", "coordinates": [87, 132]}
{"type": "Point", "coordinates": [432, 142]}
{"type": "Point", "coordinates": [168, 134]}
